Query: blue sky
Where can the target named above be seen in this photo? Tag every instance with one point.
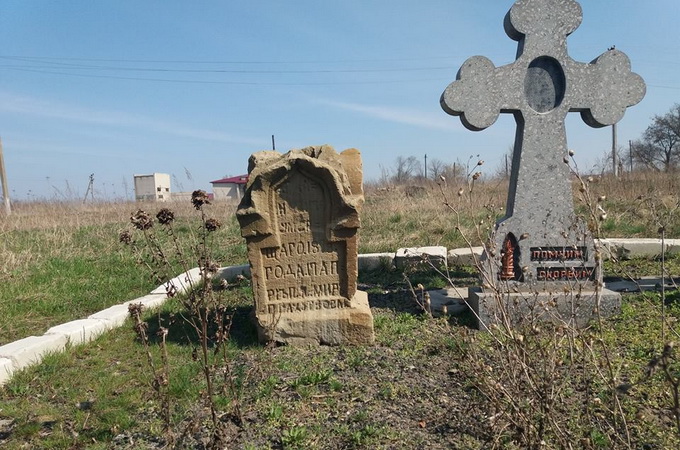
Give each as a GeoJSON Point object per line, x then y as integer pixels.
{"type": "Point", "coordinates": [122, 87]}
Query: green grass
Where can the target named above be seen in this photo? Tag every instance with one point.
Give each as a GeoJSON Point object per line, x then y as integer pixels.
{"type": "Point", "coordinates": [295, 395]}
{"type": "Point", "coordinates": [407, 391]}
{"type": "Point", "coordinates": [73, 273]}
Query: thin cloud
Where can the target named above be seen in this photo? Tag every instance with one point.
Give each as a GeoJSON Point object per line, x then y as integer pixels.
{"type": "Point", "coordinates": [418, 119]}
{"type": "Point", "coordinates": [15, 104]}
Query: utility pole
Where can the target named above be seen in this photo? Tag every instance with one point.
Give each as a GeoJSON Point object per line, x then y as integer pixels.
{"type": "Point", "coordinates": [615, 160]}
{"type": "Point", "coordinates": [507, 172]}
{"type": "Point", "coordinates": [630, 155]}
{"type": "Point", "coordinates": [90, 189]}
{"type": "Point", "coordinates": [3, 175]}
{"type": "Point", "coordinates": [426, 166]}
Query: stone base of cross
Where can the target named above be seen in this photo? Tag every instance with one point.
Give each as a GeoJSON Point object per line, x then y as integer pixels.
{"type": "Point", "coordinates": [540, 240]}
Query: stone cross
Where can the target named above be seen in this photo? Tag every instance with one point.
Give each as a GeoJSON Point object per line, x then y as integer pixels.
{"type": "Point", "coordinates": [544, 84]}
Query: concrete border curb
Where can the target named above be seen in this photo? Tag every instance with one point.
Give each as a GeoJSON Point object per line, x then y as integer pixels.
{"type": "Point", "coordinates": [22, 353]}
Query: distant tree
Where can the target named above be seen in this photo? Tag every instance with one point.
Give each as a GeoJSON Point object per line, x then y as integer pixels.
{"type": "Point", "coordinates": [659, 147]}
{"type": "Point", "coordinates": [405, 169]}
{"type": "Point", "coordinates": [435, 168]}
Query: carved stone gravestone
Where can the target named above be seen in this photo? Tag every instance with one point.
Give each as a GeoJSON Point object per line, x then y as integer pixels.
{"type": "Point", "coordinates": [542, 255]}
{"type": "Point", "coordinates": [300, 216]}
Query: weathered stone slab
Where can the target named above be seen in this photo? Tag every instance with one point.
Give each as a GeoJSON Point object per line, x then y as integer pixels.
{"type": "Point", "coordinates": [435, 256]}
{"type": "Point", "coordinates": [540, 245]}
{"type": "Point", "coordinates": [638, 247]}
{"type": "Point", "coordinates": [375, 261]}
{"type": "Point", "coordinates": [79, 331]}
{"type": "Point", "coordinates": [300, 216]}
{"type": "Point", "coordinates": [30, 350]}
{"type": "Point", "coordinates": [6, 370]}
{"type": "Point", "coordinates": [465, 256]}
{"type": "Point", "coordinates": [575, 308]}
{"type": "Point", "coordinates": [449, 301]}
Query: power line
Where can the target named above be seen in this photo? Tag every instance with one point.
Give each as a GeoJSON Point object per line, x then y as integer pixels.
{"type": "Point", "coordinates": [246, 71]}
{"type": "Point", "coordinates": [256, 62]}
{"type": "Point", "coordinates": [244, 83]}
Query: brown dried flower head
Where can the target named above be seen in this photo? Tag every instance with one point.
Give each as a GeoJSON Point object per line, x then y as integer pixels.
{"type": "Point", "coordinates": [199, 198]}
{"type": "Point", "coordinates": [135, 309]}
{"type": "Point", "coordinates": [165, 216]}
{"type": "Point", "coordinates": [476, 175]}
{"type": "Point", "coordinates": [141, 220]}
{"type": "Point", "coordinates": [212, 224]}
{"type": "Point", "coordinates": [125, 237]}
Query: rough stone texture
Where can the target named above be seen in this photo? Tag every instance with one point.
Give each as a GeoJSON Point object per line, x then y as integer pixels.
{"type": "Point", "coordinates": [79, 331]}
{"type": "Point", "coordinates": [30, 350]}
{"type": "Point", "coordinates": [300, 216]}
{"type": "Point", "coordinates": [465, 256]}
{"type": "Point", "coordinates": [576, 308]}
{"type": "Point", "coordinates": [435, 256]}
{"type": "Point", "coordinates": [114, 316]}
{"type": "Point", "coordinates": [6, 370]}
{"type": "Point", "coordinates": [540, 240]}
{"type": "Point", "coordinates": [374, 261]}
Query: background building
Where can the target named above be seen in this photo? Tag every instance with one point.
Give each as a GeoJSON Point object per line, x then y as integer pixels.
{"type": "Point", "coordinates": [154, 187]}
{"type": "Point", "coordinates": [229, 188]}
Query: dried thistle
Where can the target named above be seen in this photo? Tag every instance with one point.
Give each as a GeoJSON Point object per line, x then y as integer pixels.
{"type": "Point", "coordinates": [199, 198]}
{"type": "Point", "coordinates": [141, 220]}
{"type": "Point", "coordinates": [165, 216]}
{"type": "Point", "coordinates": [212, 225]}
{"type": "Point", "coordinates": [125, 237]}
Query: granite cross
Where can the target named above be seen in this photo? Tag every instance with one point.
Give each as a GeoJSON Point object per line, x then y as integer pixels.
{"type": "Point", "coordinates": [539, 89]}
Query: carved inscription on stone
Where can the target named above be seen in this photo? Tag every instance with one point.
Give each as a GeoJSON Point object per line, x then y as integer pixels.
{"type": "Point", "coordinates": [565, 273]}
{"type": "Point", "coordinates": [559, 254]}
{"type": "Point", "coordinates": [305, 273]}
{"type": "Point", "coordinates": [300, 218]}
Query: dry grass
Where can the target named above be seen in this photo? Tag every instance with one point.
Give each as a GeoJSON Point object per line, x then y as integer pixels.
{"type": "Point", "coordinates": [410, 390]}
{"type": "Point", "coordinates": [36, 232]}
{"type": "Point", "coordinates": [401, 216]}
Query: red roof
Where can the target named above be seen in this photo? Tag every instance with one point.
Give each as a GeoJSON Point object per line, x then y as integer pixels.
{"type": "Point", "coordinates": [241, 179]}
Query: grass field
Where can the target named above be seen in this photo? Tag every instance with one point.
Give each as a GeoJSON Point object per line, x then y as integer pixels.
{"type": "Point", "coordinates": [413, 389]}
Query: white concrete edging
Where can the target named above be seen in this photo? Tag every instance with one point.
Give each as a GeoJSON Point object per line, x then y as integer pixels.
{"type": "Point", "coordinates": [20, 354]}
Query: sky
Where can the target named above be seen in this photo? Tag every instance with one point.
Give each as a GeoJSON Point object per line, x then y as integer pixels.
{"type": "Point", "coordinates": [193, 88]}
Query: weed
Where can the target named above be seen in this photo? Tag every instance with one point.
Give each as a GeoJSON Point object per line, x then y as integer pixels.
{"type": "Point", "coordinates": [313, 378]}
{"type": "Point", "coordinates": [294, 437]}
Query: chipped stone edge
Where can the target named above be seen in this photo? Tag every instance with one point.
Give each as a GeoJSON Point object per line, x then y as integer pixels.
{"type": "Point", "coordinates": [18, 355]}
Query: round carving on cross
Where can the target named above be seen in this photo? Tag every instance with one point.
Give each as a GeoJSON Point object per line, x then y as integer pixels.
{"type": "Point", "coordinates": [544, 84]}
{"type": "Point", "coordinates": [528, 17]}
